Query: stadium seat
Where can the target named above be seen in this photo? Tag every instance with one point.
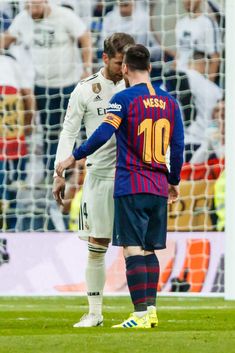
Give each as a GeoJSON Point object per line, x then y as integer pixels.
{"type": "Point", "coordinates": [196, 263]}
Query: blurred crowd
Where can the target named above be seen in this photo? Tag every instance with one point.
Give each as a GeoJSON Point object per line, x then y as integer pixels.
{"type": "Point", "coordinates": [47, 46]}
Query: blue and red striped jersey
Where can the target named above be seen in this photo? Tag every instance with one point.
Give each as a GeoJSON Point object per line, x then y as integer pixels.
{"type": "Point", "coordinates": [147, 120]}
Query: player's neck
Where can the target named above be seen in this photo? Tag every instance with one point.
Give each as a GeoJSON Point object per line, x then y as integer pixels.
{"type": "Point", "coordinates": [196, 13]}
{"type": "Point", "coordinates": [137, 78]}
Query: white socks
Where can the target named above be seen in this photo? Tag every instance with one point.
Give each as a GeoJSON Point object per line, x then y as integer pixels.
{"type": "Point", "coordinates": [151, 307]}
{"type": "Point", "coordinates": [140, 313]}
{"type": "Point", "coordinates": [95, 277]}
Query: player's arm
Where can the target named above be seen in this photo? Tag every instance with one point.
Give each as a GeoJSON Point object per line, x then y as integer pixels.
{"type": "Point", "coordinates": [14, 32]}
{"type": "Point", "coordinates": [176, 155]}
{"type": "Point", "coordinates": [214, 66]}
{"type": "Point", "coordinates": [71, 127]}
{"type": "Point", "coordinates": [74, 185]}
{"type": "Point", "coordinates": [6, 39]}
{"type": "Point", "coordinates": [115, 113]}
{"type": "Point", "coordinates": [27, 96]}
{"type": "Point", "coordinates": [100, 136]}
{"type": "Point", "coordinates": [212, 42]}
{"type": "Point", "coordinates": [86, 48]}
{"type": "Point", "coordinates": [29, 109]}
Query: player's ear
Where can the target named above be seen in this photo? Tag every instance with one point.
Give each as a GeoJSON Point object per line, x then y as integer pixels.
{"type": "Point", "coordinates": [105, 58]}
{"type": "Point", "coordinates": [150, 68]}
{"type": "Point", "coordinates": [124, 68]}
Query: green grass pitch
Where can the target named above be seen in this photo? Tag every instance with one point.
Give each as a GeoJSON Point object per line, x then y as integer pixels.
{"type": "Point", "coordinates": [187, 325]}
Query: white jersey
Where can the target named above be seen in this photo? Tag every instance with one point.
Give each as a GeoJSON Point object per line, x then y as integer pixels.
{"type": "Point", "coordinates": [23, 57]}
{"type": "Point", "coordinates": [88, 103]}
{"type": "Point", "coordinates": [137, 25]}
{"type": "Point", "coordinates": [10, 73]}
{"type": "Point", "coordinates": [200, 33]}
{"type": "Point", "coordinates": [83, 8]}
{"type": "Point", "coordinates": [53, 42]}
{"type": "Point", "coordinates": [206, 95]}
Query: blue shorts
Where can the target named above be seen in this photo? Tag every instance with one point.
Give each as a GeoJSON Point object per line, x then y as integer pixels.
{"type": "Point", "coordinates": [140, 220]}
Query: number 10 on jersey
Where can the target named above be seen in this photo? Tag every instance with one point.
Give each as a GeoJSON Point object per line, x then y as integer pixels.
{"type": "Point", "coordinates": [156, 139]}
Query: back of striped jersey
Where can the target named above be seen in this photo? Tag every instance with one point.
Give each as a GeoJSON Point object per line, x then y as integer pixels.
{"type": "Point", "coordinates": [144, 118]}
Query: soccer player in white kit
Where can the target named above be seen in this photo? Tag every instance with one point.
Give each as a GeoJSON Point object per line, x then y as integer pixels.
{"type": "Point", "coordinates": [88, 102]}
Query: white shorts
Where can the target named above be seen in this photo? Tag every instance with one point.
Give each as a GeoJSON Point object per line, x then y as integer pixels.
{"type": "Point", "coordinates": [96, 214]}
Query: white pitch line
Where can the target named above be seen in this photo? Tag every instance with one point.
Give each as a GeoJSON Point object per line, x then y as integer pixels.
{"type": "Point", "coordinates": [191, 307]}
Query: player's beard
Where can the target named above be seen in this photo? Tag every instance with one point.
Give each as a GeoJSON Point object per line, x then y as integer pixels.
{"type": "Point", "coordinates": [115, 77]}
{"type": "Point", "coordinates": [38, 18]}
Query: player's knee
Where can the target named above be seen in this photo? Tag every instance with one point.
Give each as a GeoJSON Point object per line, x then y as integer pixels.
{"type": "Point", "coordinates": [132, 251]}
{"type": "Point", "coordinates": [96, 251]}
{"type": "Point", "coordinates": [99, 241]}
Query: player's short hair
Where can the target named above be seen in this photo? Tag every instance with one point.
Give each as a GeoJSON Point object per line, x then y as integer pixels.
{"type": "Point", "coordinates": [117, 43]}
{"type": "Point", "coordinates": [137, 57]}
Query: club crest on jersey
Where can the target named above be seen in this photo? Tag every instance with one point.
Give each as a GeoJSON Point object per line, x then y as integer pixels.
{"type": "Point", "coordinates": [96, 87]}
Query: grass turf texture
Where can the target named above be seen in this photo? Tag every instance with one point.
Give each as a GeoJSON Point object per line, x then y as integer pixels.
{"type": "Point", "coordinates": [187, 325]}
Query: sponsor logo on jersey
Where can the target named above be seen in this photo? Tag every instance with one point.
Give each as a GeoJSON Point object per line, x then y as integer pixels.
{"type": "Point", "coordinates": [114, 107]}
{"type": "Point", "coordinates": [101, 111]}
{"type": "Point", "coordinates": [97, 99]}
{"type": "Point", "coordinates": [96, 87]}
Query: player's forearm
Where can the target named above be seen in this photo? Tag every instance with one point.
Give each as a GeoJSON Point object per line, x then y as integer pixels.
{"type": "Point", "coordinates": [101, 135]}
{"type": "Point", "coordinates": [6, 39]}
{"type": "Point", "coordinates": [86, 45]}
{"type": "Point", "coordinates": [96, 140]}
{"type": "Point", "coordinates": [75, 184]}
{"type": "Point", "coordinates": [29, 109]}
{"type": "Point", "coordinates": [69, 133]}
{"type": "Point", "coordinates": [65, 146]}
{"type": "Point", "coordinates": [176, 162]}
{"type": "Point", "coordinates": [176, 149]}
{"type": "Point", "coordinates": [214, 67]}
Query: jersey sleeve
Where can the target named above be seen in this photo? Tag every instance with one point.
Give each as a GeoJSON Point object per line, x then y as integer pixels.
{"type": "Point", "coordinates": [115, 114]}
{"type": "Point", "coordinates": [75, 25]}
{"type": "Point", "coordinates": [71, 125]}
{"type": "Point", "coordinates": [116, 111]}
{"type": "Point", "coordinates": [212, 37]}
{"type": "Point", "coordinates": [18, 25]}
{"type": "Point", "coordinates": [176, 148]}
{"type": "Point", "coordinates": [99, 137]}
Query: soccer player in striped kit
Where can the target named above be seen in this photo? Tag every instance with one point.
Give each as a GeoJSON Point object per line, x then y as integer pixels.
{"type": "Point", "coordinates": [146, 120]}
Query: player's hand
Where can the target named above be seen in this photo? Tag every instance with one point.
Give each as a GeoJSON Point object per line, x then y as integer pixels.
{"type": "Point", "coordinates": [67, 163]}
{"type": "Point", "coordinates": [58, 189]}
{"type": "Point", "coordinates": [173, 193]}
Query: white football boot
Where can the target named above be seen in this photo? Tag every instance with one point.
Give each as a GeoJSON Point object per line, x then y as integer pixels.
{"type": "Point", "coordinates": [90, 320]}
